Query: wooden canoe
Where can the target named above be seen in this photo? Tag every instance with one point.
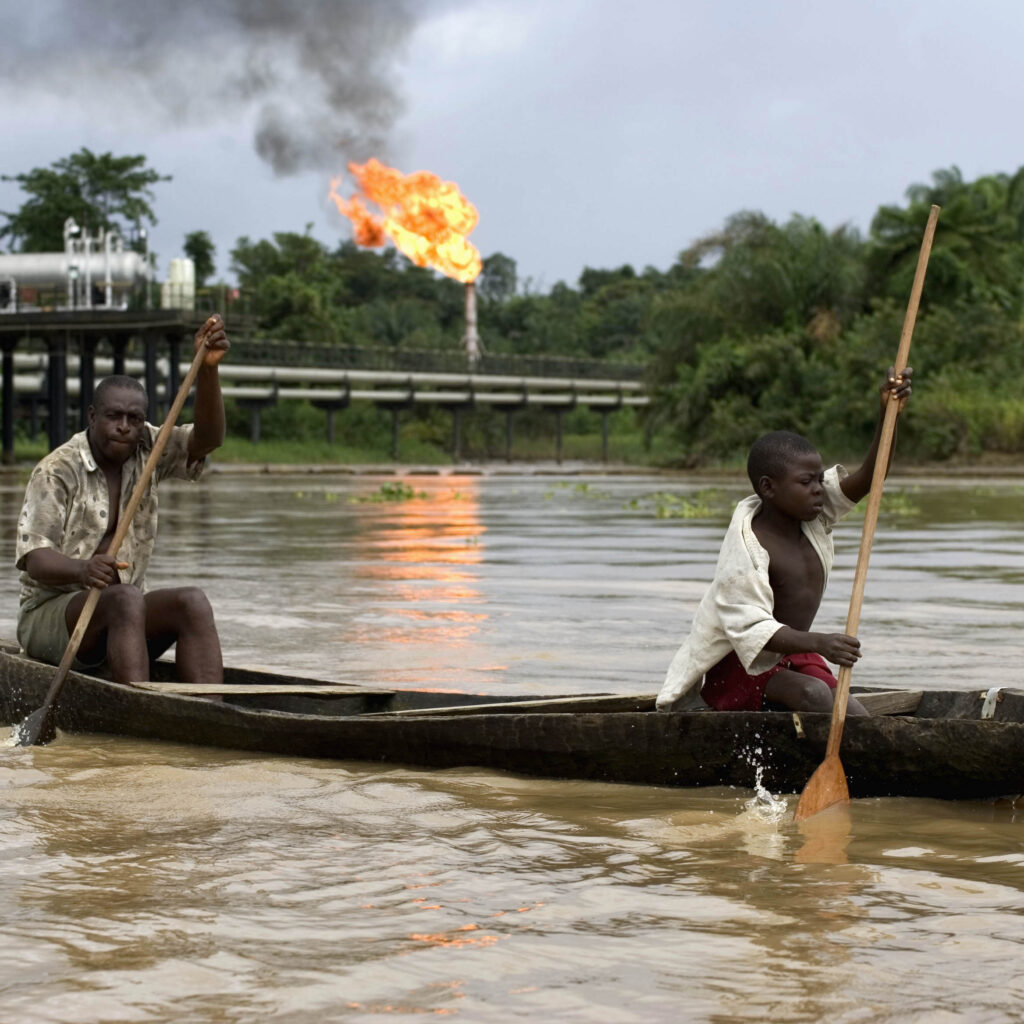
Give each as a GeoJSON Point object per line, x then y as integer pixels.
{"type": "Point", "coordinates": [930, 743]}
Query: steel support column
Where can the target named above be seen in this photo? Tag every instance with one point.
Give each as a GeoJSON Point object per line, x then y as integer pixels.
{"type": "Point", "coordinates": [508, 434]}
{"type": "Point", "coordinates": [456, 433]}
{"type": "Point", "coordinates": [174, 343]}
{"type": "Point", "coordinates": [8, 401]}
{"type": "Point", "coordinates": [57, 389]}
{"type": "Point", "coordinates": [86, 377]}
{"type": "Point", "coordinates": [256, 407]}
{"type": "Point", "coordinates": [149, 343]}
{"type": "Point", "coordinates": [330, 406]}
{"type": "Point", "coordinates": [119, 342]}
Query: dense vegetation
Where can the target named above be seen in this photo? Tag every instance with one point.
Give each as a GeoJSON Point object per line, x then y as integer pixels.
{"type": "Point", "coordinates": [97, 190]}
{"type": "Point", "coordinates": [757, 326]}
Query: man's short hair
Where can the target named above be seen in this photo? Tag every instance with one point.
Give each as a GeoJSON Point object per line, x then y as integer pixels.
{"type": "Point", "coordinates": [117, 380]}
{"type": "Point", "coordinates": [770, 455]}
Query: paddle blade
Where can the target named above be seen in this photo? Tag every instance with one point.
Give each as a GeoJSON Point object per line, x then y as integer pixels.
{"type": "Point", "coordinates": [38, 729]}
{"type": "Point", "coordinates": [826, 837]}
{"type": "Point", "coordinates": [827, 786]}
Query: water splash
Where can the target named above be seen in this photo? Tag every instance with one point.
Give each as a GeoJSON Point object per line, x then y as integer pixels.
{"type": "Point", "coordinates": [763, 803]}
{"type": "Point", "coordinates": [14, 737]}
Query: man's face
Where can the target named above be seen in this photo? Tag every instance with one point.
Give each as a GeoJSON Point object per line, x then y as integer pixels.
{"type": "Point", "coordinates": [116, 423]}
{"type": "Point", "coordinates": [799, 491]}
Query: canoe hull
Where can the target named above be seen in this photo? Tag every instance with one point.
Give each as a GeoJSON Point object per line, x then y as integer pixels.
{"type": "Point", "coordinates": [899, 755]}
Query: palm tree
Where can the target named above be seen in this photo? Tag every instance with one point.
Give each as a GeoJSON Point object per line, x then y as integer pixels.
{"type": "Point", "coordinates": [977, 252]}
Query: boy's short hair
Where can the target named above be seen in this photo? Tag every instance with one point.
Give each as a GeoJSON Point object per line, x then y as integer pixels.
{"type": "Point", "coordinates": [770, 454]}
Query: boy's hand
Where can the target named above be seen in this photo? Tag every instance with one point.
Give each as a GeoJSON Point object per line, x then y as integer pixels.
{"type": "Point", "coordinates": [897, 387]}
{"type": "Point", "coordinates": [839, 648]}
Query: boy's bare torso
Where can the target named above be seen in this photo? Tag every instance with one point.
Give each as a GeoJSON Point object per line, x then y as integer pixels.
{"type": "Point", "coordinates": [795, 573]}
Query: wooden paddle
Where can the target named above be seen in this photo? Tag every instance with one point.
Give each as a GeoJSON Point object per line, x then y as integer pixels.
{"type": "Point", "coordinates": [38, 728]}
{"type": "Point", "coordinates": [827, 786]}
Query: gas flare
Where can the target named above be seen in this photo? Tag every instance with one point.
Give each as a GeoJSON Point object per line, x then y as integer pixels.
{"type": "Point", "coordinates": [428, 219]}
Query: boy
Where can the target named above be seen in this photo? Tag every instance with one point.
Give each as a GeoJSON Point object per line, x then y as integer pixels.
{"type": "Point", "coordinates": [751, 640]}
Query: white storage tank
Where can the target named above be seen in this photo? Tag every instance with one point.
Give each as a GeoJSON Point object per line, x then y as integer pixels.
{"type": "Point", "coordinates": [179, 290]}
{"type": "Point", "coordinates": [51, 269]}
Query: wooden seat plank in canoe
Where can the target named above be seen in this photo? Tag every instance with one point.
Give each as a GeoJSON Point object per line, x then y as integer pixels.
{"type": "Point", "coordinates": [608, 702]}
{"type": "Point", "coordinates": [888, 702]}
{"type": "Point", "coordinates": [891, 702]}
{"type": "Point", "coordinates": [254, 689]}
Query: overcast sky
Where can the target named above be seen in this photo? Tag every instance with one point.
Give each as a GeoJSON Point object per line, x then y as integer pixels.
{"type": "Point", "coordinates": [586, 132]}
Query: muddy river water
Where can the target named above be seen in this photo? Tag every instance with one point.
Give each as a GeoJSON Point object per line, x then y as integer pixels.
{"type": "Point", "coordinates": [147, 882]}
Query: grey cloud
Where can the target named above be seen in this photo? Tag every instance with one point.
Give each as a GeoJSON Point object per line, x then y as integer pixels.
{"type": "Point", "coordinates": [319, 76]}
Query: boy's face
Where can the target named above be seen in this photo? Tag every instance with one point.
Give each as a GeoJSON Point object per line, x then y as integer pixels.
{"type": "Point", "coordinates": [799, 492]}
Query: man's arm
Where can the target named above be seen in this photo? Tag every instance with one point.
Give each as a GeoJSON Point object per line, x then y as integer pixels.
{"type": "Point", "coordinates": [52, 569]}
{"type": "Point", "coordinates": [209, 424]}
{"type": "Point", "coordinates": [895, 389]}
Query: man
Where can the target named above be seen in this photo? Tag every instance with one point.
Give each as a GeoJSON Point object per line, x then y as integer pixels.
{"type": "Point", "coordinates": [72, 504]}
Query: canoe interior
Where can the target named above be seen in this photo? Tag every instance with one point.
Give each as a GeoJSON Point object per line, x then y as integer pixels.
{"type": "Point", "coordinates": [257, 689]}
{"type": "Point", "coordinates": [946, 704]}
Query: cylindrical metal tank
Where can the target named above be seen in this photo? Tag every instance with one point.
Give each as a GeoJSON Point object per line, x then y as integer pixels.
{"type": "Point", "coordinates": [50, 269]}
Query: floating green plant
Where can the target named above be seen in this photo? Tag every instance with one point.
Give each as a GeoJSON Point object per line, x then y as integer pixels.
{"type": "Point", "coordinates": [579, 490]}
{"type": "Point", "coordinates": [709, 501]}
{"type": "Point", "coordinates": [894, 503]}
{"type": "Point", "coordinates": [399, 491]}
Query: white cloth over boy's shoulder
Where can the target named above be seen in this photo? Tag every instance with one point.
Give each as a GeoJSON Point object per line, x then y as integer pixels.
{"type": "Point", "coordinates": [736, 613]}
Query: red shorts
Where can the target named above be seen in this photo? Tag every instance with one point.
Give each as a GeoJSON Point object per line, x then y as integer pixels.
{"type": "Point", "coordinates": [728, 687]}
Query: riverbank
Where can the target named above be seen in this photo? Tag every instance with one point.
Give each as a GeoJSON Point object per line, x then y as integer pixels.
{"type": "Point", "coordinates": [974, 472]}
{"type": "Point", "coordinates": [244, 458]}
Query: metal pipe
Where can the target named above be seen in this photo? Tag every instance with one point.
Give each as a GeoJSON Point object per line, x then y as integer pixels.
{"type": "Point", "coordinates": [471, 338]}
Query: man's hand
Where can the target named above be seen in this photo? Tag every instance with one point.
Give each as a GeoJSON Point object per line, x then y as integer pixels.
{"type": "Point", "coordinates": [897, 387]}
{"type": "Point", "coordinates": [100, 571]}
{"type": "Point", "coordinates": [839, 648]}
{"type": "Point", "coordinates": [213, 336]}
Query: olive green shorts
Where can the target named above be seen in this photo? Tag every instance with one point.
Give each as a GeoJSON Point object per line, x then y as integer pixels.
{"type": "Point", "coordinates": [43, 633]}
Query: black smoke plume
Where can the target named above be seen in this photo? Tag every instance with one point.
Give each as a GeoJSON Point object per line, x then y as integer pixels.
{"type": "Point", "coordinates": [316, 77]}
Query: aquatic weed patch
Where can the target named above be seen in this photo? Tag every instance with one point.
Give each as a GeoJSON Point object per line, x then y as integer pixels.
{"type": "Point", "coordinates": [577, 490]}
{"type": "Point", "coordinates": [702, 504]}
{"type": "Point", "coordinates": [399, 491]}
{"type": "Point", "coordinates": [898, 503]}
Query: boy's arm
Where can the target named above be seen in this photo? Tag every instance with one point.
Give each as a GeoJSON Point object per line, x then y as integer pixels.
{"type": "Point", "coordinates": [839, 648]}
{"type": "Point", "coordinates": [858, 483]}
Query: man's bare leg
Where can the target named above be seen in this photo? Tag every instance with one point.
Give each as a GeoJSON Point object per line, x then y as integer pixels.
{"type": "Point", "coordinates": [117, 630]}
{"type": "Point", "coordinates": [183, 616]}
{"type": "Point", "coordinates": [800, 692]}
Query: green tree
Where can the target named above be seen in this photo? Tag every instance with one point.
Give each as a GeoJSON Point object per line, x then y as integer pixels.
{"type": "Point", "coordinates": [100, 191]}
{"type": "Point", "coordinates": [199, 248]}
{"type": "Point", "coordinates": [352, 295]}
{"type": "Point", "coordinates": [741, 328]}
{"type": "Point", "coordinates": [497, 282]}
{"type": "Point", "coordinates": [978, 252]}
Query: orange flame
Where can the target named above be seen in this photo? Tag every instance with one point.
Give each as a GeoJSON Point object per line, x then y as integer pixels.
{"type": "Point", "coordinates": [428, 219]}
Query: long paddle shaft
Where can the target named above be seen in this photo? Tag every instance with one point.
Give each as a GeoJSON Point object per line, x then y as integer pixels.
{"type": "Point", "coordinates": [827, 785]}
{"type": "Point", "coordinates": [38, 728]}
